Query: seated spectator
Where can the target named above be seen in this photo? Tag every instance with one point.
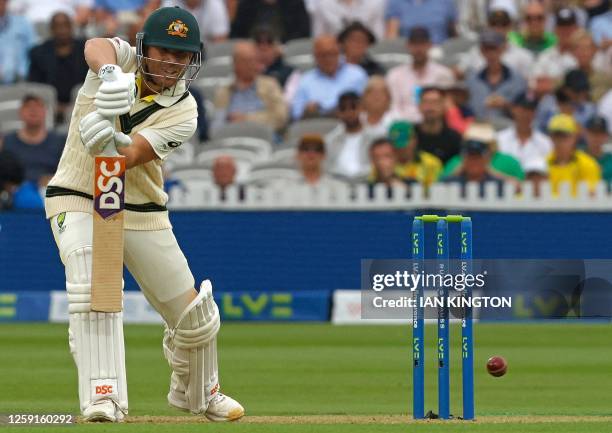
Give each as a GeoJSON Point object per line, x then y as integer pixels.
{"type": "Point", "coordinates": [318, 90]}
{"type": "Point", "coordinates": [37, 12]}
{"type": "Point", "coordinates": [597, 139]}
{"type": "Point", "coordinates": [112, 14]}
{"type": "Point", "coordinates": [224, 176]}
{"type": "Point", "coordinates": [476, 167]}
{"type": "Point", "coordinates": [493, 87]}
{"type": "Point", "coordinates": [37, 149]}
{"type": "Point", "coordinates": [405, 81]}
{"type": "Point", "coordinates": [347, 145]}
{"type": "Point", "coordinates": [544, 79]}
{"type": "Point", "coordinates": [595, 8]}
{"type": "Point", "coordinates": [530, 146]}
{"type": "Point", "coordinates": [59, 62]}
{"type": "Point", "coordinates": [413, 164]}
{"type": "Point", "coordinates": [605, 108]}
{"type": "Point", "coordinates": [384, 164]}
{"type": "Point", "coordinates": [376, 116]}
{"type": "Point", "coordinates": [437, 16]}
{"type": "Point", "coordinates": [458, 115]}
{"type": "Point", "coordinates": [515, 57]}
{"type": "Point", "coordinates": [211, 15]}
{"type": "Point", "coordinates": [288, 18]}
{"type": "Point", "coordinates": [355, 40]}
{"type": "Point", "coordinates": [534, 36]}
{"type": "Point", "coordinates": [331, 16]}
{"type": "Point", "coordinates": [501, 165]}
{"type": "Point", "coordinates": [270, 55]}
{"type": "Point", "coordinates": [433, 134]}
{"type": "Point", "coordinates": [16, 38]}
{"type": "Point", "coordinates": [571, 98]}
{"type": "Point", "coordinates": [251, 97]}
{"type": "Point", "coordinates": [575, 7]}
{"type": "Point", "coordinates": [536, 172]}
{"type": "Point", "coordinates": [566, 164]}
{"type": "Point", "coordinates": [601, 29]}
{"type": "Point", "coordinates": [11, 176]}
{"type": "Point", "coordinates": [596, 67]}
{"type": "Point", "coordinates": [561, 54]}
{"type": "Point", "coordinates": [311, 160]}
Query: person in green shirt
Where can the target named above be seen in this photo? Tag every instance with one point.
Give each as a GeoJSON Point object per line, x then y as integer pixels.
{"type": "Point", "coordinates": [534, 37]}
{"type": "Point", "coordinates": [500, 163]}
{"type": "Point", "coordinates": [597, 137]}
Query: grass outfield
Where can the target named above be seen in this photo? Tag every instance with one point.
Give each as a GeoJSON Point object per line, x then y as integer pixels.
{"type": "Point", "coordinates": [317, 377]}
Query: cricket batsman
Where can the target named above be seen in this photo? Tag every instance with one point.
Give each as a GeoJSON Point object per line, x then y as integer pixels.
{"type": "Point", "coordinates": [145, 110]}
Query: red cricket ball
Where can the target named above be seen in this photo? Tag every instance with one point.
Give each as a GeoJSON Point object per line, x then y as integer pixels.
{"type": "Point", "coordinates": [497, 366]}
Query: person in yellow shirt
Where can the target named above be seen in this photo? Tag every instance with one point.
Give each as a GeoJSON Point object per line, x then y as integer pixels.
{"type": "Point", "coordinates": [566, 163]}
{"type": "Point", "coordinates": [412, 164]}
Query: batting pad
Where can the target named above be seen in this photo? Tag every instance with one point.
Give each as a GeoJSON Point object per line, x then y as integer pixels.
{"type": "Point", "coordinates": [191, 351]}
{"type": "Point", "coordinates": [96, 339]}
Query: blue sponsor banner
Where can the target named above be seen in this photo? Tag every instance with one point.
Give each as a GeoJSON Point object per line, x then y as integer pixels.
{"type": "Point", "coordinates": [24, 306]}
{"type": "Point", "coordinates": [307, 305]}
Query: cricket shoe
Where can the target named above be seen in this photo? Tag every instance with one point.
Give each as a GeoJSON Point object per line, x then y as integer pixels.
{"type": "Point", "coordinates": [103, 411]}
{"type": "Point", "coordinates": [224, 408]}
{"type": "Point", "coordinates": [220, 408]}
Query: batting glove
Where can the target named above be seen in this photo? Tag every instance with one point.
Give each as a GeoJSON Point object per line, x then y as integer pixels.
{"type": "Point", "coordinates": [97, 132]}
{"type": "Point", "coordinates": [117, 93]}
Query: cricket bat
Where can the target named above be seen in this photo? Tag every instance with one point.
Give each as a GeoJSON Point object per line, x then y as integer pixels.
{"type": "Point", "coordinates": [108, 214]}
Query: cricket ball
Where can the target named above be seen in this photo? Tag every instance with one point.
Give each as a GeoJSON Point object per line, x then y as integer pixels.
{"type": "Point", "coordinates": [497, 366]}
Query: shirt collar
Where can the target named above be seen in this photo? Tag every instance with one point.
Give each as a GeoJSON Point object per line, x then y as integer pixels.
{"type": "Point", "coordinates": [505, 72]}
{"type": "Point", "coordinates": [165, 99]}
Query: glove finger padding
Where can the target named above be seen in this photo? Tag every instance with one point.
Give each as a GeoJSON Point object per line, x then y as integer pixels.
{"type": "Point", "coordinates": [96, 132]}
{"type": "Point", "coordinates": [122, 140]}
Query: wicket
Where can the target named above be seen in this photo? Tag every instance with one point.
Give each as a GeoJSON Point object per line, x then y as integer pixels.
{"type": "Point", "coordinates": [443, 341]}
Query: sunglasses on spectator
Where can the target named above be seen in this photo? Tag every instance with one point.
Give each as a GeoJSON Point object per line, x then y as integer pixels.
{"type": "Point", "coordinates": [264, 41]}
{"type": "Point", "coordinates": [534, 17]}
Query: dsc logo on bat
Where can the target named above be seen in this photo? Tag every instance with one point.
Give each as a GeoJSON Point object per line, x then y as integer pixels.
{"type": "Point", "coordinates": [109, 185]}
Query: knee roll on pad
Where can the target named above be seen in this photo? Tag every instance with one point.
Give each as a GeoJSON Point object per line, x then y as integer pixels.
{"type": "Point", "coordinates": [191, 351]}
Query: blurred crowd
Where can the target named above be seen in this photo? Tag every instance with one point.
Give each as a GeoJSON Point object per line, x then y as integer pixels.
{"type": "Point", "coordinates": [484, 91]}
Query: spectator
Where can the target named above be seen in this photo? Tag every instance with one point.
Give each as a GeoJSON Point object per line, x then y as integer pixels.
{"type": "Point", "coordinates": [384, 164]}
{"type": "Point", "coordinates": [605, 109]}
{"type": "Point", "coordinates": [224, 176]}
{"type": "Point", "coordinates": [318, 89]}
{"type": "Point", "coordinates": [355, 40]}
{"type": "Point", "coordinates": [376, 102]}
{"type": "Point", "coordinates": [413, 164]}
{"type": "Point", "coordinates": [534, 36]}
{"type": "Point", "coordinates": [288, 18]}
{"type": "Point", "coordinates": [251, 97]}
{"type": "Point", "coordinates": [437, 16]}
{"type": "Point", "coordinates": [37, 149]}
{"type": "Point", "coordinates": [601, 29]}
{"type": "Point", "coordinates": [433, 134]}
{"type": "Point", "coordinates": [560, 54]}
{"type": "Point", "coordinates": [459, 115]}
{"type": "Point", "coordinates": [211, 15]}
{"type": "Point", "coordinates": [515, 57]}
{"type": "Point", "coordinates": [544, 79]}
{"type": "Point", "coordinates": [501, 165]}
{"type": "Point", "coordinates": [554, 6]}
{"type": "Point", "coordinates": [595, 8]}
{"type": "Point", "coordinates": [11, 176]}
{"type": "Point", "coordinates": [566, 164]}
{"type": "Point", "coordinates": [59, 62]}
{"type": "Point", "coordinates": [311, 157]}
{"type": "Point", "coordinates": [593, 65]}
{"type": "Point", "coordinates": [16, 38]}
{"type": "Point", "coordinates": [476, 167]}
{"type": "Point", "coordinates": [598, 138]}
{"type": "Point", "coordinates": [40, 12]}
{"type": "Point", "coordinates": [530, 146]}
{"type": "Point", "coordinates": [571, 98]}
{"type": "Point", "coordinates": [270, 55]}
{"type": "Point", "coordinates": [405, 81]}
{"type": "Point", "coordinates": [493, 87]}
{"type": "Point", "coordinates": [347, 144]}
{"type": "Point", "coordinates": [331, 16]}
{"type": "Point", "coordinates": [111, 14]}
